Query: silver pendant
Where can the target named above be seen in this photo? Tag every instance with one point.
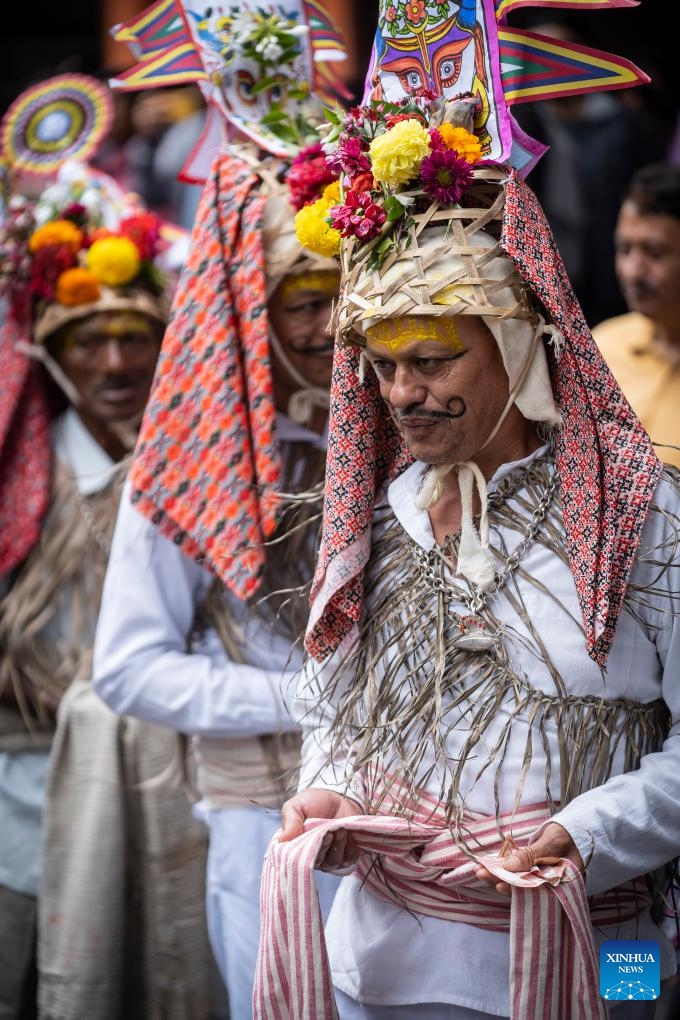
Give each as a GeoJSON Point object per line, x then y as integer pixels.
{"type": "Point", "coordinates": [473, 634]}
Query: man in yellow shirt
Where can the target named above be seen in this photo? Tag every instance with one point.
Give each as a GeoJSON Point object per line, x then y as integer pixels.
{"type": "Point", "coordinates": [642, 347]}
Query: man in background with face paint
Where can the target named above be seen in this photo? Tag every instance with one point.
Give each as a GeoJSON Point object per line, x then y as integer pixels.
{"type": "Point", "coordinates": [89, 864]}
{"type": "Point", "coordinates": [490, 706]}
{"type": "Point", "coordinates": [240, 473]}
{"type": "Point", "coordinates": [205, 600]}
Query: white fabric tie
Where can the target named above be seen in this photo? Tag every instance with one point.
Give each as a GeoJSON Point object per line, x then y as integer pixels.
{"type": "Point", "coordinates": [475, 560]}
{"type": "Point", "coordinates": [302, 403]}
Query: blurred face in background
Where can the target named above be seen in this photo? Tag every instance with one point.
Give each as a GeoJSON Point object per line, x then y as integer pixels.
{"type": "Point", "coordinates": [110, 357]}
{"type": "Point", "coordinates": [299, 313]}
{"type": "Point", "coordinates": [647, 253]}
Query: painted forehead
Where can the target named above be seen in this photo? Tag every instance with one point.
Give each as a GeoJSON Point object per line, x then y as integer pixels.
{"type": "Point", "coordinates": [324, 281]}
{"type": "Point", "coordinates": [396, 333]}
{"type": "Point", "coordinates": [111, 324]}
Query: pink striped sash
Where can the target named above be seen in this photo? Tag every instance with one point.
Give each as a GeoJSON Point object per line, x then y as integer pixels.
{"type": "Point", "coordinates": [553, 959]}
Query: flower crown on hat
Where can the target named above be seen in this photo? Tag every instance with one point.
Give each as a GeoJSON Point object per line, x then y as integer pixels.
{"type": "Point", "coordinates": [81, 243]}
{"type": "Point", "coordinates": [389, 161]}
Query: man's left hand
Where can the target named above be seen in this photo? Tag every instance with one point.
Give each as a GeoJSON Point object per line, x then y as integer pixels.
{"type": "Point", "coordinates": [553, 842]}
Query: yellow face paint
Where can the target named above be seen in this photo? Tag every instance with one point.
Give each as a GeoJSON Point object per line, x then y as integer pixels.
{"type": "Point", "coordinates": [395, 333]}
{"type": "Point", "coordinates": [105, 325]}
{"type": "Point", "coordinates": [321, 281]}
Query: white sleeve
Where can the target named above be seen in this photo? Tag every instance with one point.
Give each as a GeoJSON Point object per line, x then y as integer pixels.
{"type": "Point", "coordinates": [142, 666]}
{"type": "Point", "coordinates": [630, 825]}
{"type": "Point", "coordinates": [323, 765]}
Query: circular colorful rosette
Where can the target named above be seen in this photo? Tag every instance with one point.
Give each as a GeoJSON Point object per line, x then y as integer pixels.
{"type": "Point", "coordinates": [64, 117]}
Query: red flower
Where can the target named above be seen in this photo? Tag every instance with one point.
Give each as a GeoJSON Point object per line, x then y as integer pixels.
{"type": "Point", "coordinates": [309, 152]}
{"type": "Point", "coordinates": [446, 176]}
{"type": "Point", "coordinates": [308, 176]}
{"type": "Point", "coordinates": [363, 182]}
{"type": "Point", "coordinates": [394, 118]}
{"type": "Point", "coordinates": [143, 229]}
{"type": "Point", "coordinates": [358, 217]}
{"type": "Point", "coordinates": [77, 213]}
{"type": "Point", "coordinates": [49, 262]}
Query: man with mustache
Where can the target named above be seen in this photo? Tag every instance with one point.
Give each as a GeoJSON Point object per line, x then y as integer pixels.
{"type": "Point", "coordinates": [642, 348]}
{"type": "Point", "coordinates": [490, 705]}
{"type": "Point", "coordinates": [87, 277]}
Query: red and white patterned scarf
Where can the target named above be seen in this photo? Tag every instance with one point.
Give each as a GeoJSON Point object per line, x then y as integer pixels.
{"type": "Point", "coordinates": [606, 462]}
{"type": "Point", "coordinates": [25, 451]}
{"type": "Point", "coordinates": [207, 462]}
{"type": "Point", "coordinates": [553, 958]}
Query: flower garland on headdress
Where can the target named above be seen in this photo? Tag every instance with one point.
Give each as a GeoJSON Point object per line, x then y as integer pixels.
{"type": "Point", "coordinates": [67, 253]}
{"type": "Point", "coordinates": [389, 160]}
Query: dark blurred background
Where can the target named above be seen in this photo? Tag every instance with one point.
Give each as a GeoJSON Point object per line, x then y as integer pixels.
{"type": "Point", "coordinates": [73, 36]}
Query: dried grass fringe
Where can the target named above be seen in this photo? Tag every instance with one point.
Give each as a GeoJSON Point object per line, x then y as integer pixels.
{"type": "Point", "coordinates": [61, 579]}
{"type": "Point", "coordinates": [408, 666]}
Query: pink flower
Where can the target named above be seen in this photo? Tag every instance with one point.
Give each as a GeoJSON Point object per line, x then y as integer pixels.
{"type": "Point", "coordinates": [390, 14]}
{"type": "Point", "coordinates": [359, 217]}
{"type": "Point", "coordinates": [349, 158]}
{"type": "Point", "coordinates": [445, 176]}
{"type": "Point", "coordinates": [436, 140]}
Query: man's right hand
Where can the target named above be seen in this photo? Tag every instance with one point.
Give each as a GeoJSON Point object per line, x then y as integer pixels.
{"type": "Point", "coordinates": [338, 849]}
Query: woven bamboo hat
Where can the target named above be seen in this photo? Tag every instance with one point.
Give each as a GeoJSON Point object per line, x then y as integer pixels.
{"type": "Point", "coordinates": [448, 262]}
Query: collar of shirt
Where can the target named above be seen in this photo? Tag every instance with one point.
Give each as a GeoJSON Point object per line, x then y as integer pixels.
{"type": "Point", "coordinates": [401, 496]}
{"type": "Point", "coordinates": [74, 445]}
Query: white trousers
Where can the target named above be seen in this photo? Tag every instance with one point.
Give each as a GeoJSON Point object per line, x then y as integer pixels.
{"type": "Point", "coordinates": [239, 838]}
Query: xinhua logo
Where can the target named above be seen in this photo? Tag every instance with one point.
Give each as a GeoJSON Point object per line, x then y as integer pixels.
{"type": "Point", "coordinates": [629, 970]}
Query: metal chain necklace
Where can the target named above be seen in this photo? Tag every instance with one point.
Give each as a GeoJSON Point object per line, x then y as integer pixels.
{"type": "Point", "coordinates": [474, 634]}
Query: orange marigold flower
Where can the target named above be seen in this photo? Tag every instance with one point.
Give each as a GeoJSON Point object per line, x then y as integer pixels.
{"type": "Point", "coordinates": [57, 232]}
{"type": "Point", "coordinates": [461, 141]}
{"type": "Point", "coordinates": [98, 233]}
{"type": "Point", "coordinates": [77, 287]}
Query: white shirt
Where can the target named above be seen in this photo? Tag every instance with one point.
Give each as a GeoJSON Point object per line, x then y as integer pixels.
{"type": "Point", "coordinates": [142, 666]}
{"type": "Point", "coordinates": [631, 824]}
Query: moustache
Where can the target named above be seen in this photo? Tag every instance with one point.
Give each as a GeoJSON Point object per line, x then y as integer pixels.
{"type": "Point", "coordinates": [117, 382]}
{"type": "Point", "coordinates": [419, 412]}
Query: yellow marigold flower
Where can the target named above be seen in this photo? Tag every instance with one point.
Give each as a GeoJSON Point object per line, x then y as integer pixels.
{"type": "Point", "coordinates": [331, 193]}
{"type": "Point", "coordinates": [77, 287]}
{"type": "Point", "coordinates": [114, 261]}
{"type": "Point", "coordinates": [461, 141]}
{"type": "Point", "coordinates": [313, 232]}
{"type": "Point", "coordinates": [397, 154]}
{"type": "Point", "coordinates": [57, 232]}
